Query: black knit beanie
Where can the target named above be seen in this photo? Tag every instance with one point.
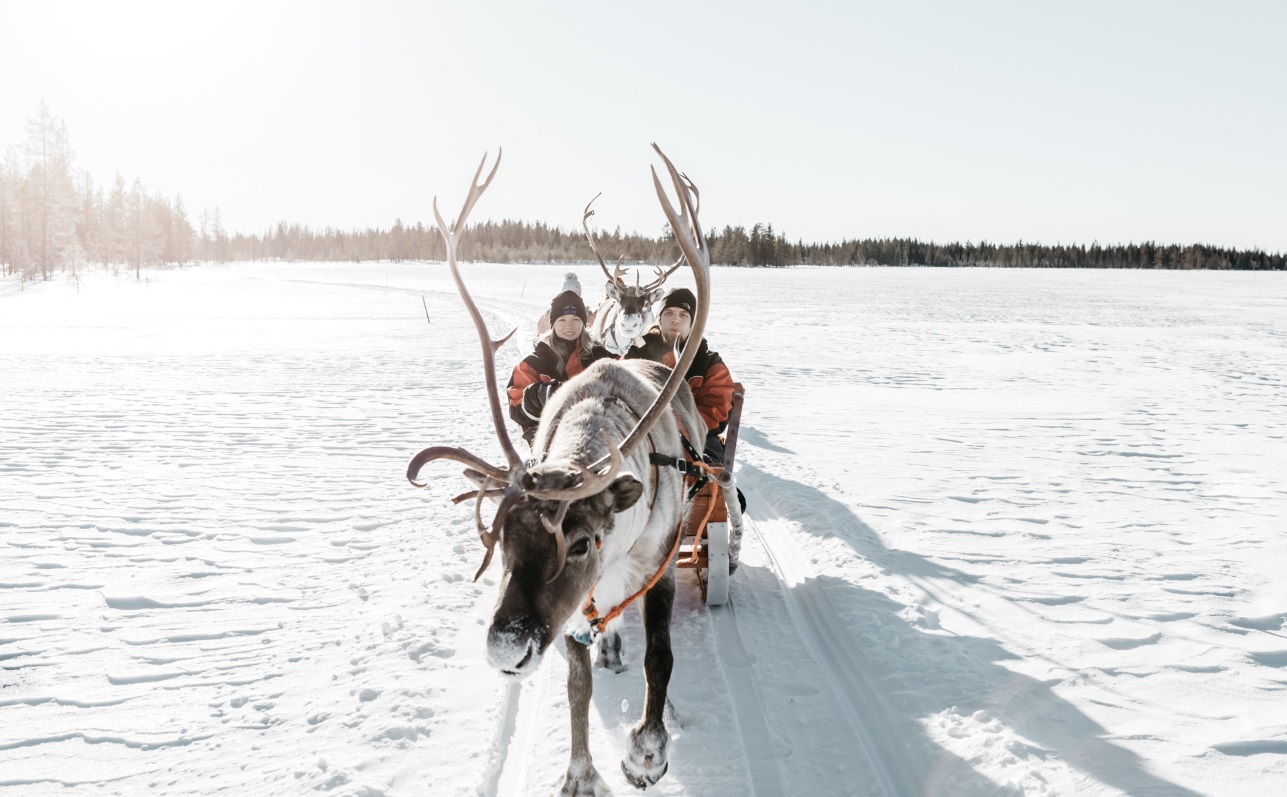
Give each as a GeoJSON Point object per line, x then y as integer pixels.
{"type": "Point", "coordinates": [567, 303]}
{"type": "Point", "coordinates": [681, 298]}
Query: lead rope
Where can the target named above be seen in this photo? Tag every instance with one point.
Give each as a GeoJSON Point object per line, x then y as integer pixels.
{"type": "Point", "coordinates": [591, 612]}
{"type": "Point", "coordinates": [710, 508]}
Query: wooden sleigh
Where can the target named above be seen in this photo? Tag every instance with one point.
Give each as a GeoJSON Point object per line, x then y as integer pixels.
{"type": "Point", "coordinates": [711, 539]}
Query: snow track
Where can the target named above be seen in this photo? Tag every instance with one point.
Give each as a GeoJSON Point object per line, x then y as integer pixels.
{"type": "Point", "coordinates": [763, 766]}
{"type": "Point", "coordinates": [830, 643]}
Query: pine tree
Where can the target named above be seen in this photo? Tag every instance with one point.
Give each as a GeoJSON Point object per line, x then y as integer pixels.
{"type": "Point", "coordinates": [51, 191]}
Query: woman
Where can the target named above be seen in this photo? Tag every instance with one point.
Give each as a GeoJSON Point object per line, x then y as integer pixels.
{"type": "Point", "coordinates": [570, 283]}
{"type": "Point", "coordinates": [560, 354]}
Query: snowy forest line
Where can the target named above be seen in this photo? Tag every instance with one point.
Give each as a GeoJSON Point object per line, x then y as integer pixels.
{"type": "Point", "coordinates": [55, 217]}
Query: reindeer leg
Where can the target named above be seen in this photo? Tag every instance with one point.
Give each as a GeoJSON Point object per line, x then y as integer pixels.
{"type": "Point", "coordinates": [610, 652]}
{"type": "Point", "coordinates": [647, 758]}
{"type": "Point", "coordinates": [582, 780]}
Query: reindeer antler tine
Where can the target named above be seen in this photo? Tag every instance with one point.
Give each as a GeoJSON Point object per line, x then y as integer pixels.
{"type": "Point", "coordinates": [487, 559]}
{"type": "Point", "coordinates": [490, 539]}
{"type": "Point", "coordinates": [697, 195]}
{"type": "Point", "coordinates": [552, 526]}
{"type": "Point", "coordinates": [555, 527]}
{"type": "Point", "coordinates": [688, 214]}
{"type": "Point", "coordinates": [561, 554]}
{"type": "Point", "coordinates": [666, 207]}
{"type": "Point", "coordinates": [476, 189]}
{"type": "Point", "coordinates": [478, 511]}
{"type": "Point", "coordinates": [442, 227]}
{"type": "Point", "coordinates": [663, 273]}
{"type": "Point", "coordinates": [463, 497]}
{"type": "Point", "coordinates": [512, 494]}
{"type": "Point", "coordinates": [456, 454]}
{"type": "Point", "coordinates": [585, 217]}
{"type": "Point", "coordinates": [496, 344]}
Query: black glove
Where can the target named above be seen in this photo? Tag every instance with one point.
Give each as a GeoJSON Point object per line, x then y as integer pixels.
{"type": "Point", "coordinates": [537, 394]}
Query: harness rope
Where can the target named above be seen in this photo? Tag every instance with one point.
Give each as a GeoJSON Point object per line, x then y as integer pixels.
{"type": "Point", "coordinates": [591, 612]}
{"type": "Point", "coordinates": [693, 559]}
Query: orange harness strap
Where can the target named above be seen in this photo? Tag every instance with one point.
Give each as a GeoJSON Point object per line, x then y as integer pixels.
{"type": "Point", "coordinates": [711, 507]}
{"type": "Point", "coordinates": [591, 612]}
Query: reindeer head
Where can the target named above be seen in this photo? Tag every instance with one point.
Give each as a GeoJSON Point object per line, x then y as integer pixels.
{"type": "Point", "coordinates": [553, 516]}
{"type": "Point", "coordinates": [542, 587]}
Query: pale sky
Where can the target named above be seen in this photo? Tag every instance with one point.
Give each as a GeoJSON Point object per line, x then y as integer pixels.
{"type": "Point", "coordinates": [1050, 122]}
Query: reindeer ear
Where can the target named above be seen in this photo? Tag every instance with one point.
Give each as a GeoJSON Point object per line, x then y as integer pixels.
{"type": "Point", "coordinates": [624, 491]}
{"type": "Point", "coordinates": [655, 295]}
{"type": "Point", "coordinates": [612, 291]}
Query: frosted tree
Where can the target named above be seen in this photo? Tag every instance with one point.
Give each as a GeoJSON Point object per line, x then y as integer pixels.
{"type": "Point", "coordinates": [178, 245]}
{"type": "Point", "coordinates": [51, 192]}
{"type": "Point", "coordinates": [115, 223]}
{"type": "Point", "coordinates": [204, 247]}
{"type": "Point", "coordinates": [146, 236]}
{"type": "Point", "coordinates": [8, 212]}
{"type": "Point", "coordinates": [218, 236]}
{"type": "Point", "coordinates": [89, 217]}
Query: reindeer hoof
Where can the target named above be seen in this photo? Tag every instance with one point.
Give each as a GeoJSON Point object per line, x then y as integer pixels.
{"type": "Point", "coordinates": [646, 757]}
{"type": "Point", "coordinates": [584, 781]}
{"type": "Point", "coordinates": [609, 656]}
{"type": "Point", "coordinates": [642, 783]}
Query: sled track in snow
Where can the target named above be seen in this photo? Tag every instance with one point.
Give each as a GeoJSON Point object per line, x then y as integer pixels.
{"type": "Point", "coordinates": [863, 702]}
{"type": "Point", "coordinates": [515, 737]}
{"type": "Point", "coordinates": [767, 778]}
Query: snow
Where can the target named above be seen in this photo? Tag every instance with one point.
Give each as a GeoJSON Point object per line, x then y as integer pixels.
{"type": "Point", "coordinates": [1012, 532]}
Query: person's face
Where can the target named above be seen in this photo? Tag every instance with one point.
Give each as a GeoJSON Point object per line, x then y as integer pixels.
{"type": "Point", "coordinates": [675, 322]}
{"type": "Point", "coordinates": [568, 327]}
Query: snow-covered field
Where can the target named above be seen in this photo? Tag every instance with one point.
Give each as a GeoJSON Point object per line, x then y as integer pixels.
{"type": "Point", "coordinates": [1015, 532]}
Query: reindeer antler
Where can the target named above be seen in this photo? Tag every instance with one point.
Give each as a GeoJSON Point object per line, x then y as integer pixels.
{"type": "Point", "coordinates": [452, 238]}
{"type": "Point", "coordinates": [512, 475]}
{"type": "Point", "coordinates": [662, 274]}
{"type": "Point", "coordinates": [585, 218]}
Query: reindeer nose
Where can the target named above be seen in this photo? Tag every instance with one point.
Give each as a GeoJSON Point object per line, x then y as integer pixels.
{"type": "Point", "coordinates": [514, 647]}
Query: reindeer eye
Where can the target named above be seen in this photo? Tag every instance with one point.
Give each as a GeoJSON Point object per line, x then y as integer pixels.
{"type": "Point", "coordinates": [580, 548]}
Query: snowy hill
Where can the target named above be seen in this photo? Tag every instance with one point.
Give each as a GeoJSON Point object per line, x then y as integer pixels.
{"type": "Point", "coordinates": [1014, 532]}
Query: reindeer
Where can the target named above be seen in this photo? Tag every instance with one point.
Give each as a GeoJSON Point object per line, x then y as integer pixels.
{"type": "Point", "coordinates": [626, 313]}
{"type": "Point", "coordinates": [592, 523]}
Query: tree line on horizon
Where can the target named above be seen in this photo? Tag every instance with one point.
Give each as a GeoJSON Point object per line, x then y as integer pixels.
{"type": "Point", "coordinates": [55, 218]}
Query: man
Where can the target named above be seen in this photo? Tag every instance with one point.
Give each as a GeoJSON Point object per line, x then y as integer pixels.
{"type": "Point", "coordinates": [708, 377]}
